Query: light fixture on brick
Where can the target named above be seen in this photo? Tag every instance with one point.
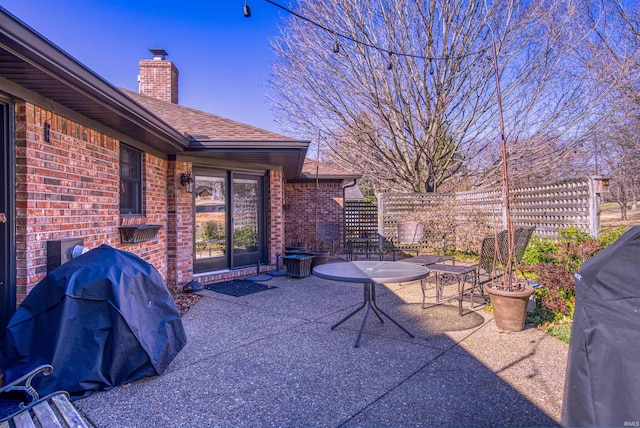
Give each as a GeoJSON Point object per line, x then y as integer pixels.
{"type": "Point", "coordinates": [47, 132]}
{"type": "Point", "coordinates": [187, 181]}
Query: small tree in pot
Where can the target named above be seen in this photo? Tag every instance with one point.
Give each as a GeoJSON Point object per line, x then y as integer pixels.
{"type": "Point", "coordinates": [509, 295]}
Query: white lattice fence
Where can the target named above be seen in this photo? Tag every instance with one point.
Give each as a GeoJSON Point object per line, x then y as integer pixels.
{"type": "Point", "coordinates": [549, 207]}
{"type": "Point", "coordinates": [394, 208]}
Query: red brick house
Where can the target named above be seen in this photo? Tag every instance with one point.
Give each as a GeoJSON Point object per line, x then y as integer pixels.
{"type": "Point", "coordinates": [313, 205]}
{"type": "Point", "coordinates": [196, 195]}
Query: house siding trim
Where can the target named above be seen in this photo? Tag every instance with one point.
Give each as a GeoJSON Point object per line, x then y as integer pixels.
{"type": "Point", "coordinates": [25, 94]}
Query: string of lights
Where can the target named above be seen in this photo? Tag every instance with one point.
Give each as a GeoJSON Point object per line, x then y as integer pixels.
{"type": "Point", "coordinates": [337, 34]}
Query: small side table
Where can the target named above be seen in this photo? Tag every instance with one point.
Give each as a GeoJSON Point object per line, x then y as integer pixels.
{"type": "Point", "coordinates": [427, 259]}
{"type": "Point", "coordinates": [461, 274]}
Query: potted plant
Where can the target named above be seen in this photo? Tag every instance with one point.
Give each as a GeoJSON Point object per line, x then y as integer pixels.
{"type": "Point", "coordinates": [509, 295]}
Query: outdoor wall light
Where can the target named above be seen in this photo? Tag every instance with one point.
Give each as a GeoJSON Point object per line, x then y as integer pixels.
{"type": "Point", "coordinates": [47, 132]}
{"type": "Point", "coordinates": [246, 10]}
{"type": "Point", "coordinates": [187, 181]}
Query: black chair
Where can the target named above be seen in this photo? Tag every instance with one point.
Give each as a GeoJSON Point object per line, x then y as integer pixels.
{"type": "Point", "coordinates": [358, 246]}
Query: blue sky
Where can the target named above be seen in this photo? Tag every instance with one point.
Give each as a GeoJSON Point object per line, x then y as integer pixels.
{"type": "Point", "coordinates": [223, 58]}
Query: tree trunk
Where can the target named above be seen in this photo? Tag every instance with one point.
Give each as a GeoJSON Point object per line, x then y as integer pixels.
{"type": "Point", "coordinates": [623, 210]}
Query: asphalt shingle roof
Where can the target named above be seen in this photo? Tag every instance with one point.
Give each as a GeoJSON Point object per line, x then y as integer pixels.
{"type": "Point", "coordinates": [202, 125]}
{"type": "Point", "coordinates": [325, 171]}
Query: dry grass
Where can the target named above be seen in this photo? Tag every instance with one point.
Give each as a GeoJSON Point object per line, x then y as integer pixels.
{"type": "Point", "coordinates": [610, 216]}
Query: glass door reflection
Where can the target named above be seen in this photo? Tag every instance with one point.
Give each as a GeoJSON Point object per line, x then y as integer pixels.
{"type": "Point", "coordinates": [246, 220]}
{"type": "Point", "coordinates": [210, 194]}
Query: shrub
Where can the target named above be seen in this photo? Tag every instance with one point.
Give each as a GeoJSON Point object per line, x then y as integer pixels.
{"type": "Point", "coordinates": [574, 234]}
{"type": "Point", "coordinates": [245, 236]}
{"type": "Point", "coordinates": [539, 250]}
{"type": "Point", "coordinates": [449, 228]}
{"type": "Point", "coordinates": [213, 231]}
{"type": "Point", "coordinates": [554, 265]}
{"type": "Point", "coordinates": [611, 235]}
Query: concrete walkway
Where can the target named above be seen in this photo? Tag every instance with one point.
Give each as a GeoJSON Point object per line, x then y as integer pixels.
{"type": "Point", "coordinates": [270, 359]}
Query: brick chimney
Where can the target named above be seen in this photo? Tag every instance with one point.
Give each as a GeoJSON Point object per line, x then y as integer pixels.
{"type": "Point", "coordinates": [158, 77]}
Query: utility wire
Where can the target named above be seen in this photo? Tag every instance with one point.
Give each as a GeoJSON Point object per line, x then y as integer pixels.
{"type": "Point", "coordinates": [369, 45]}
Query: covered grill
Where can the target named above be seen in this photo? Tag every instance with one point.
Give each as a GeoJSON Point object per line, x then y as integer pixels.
{"type": "Point", "coordinates": [102, 319]}
{"type": "Point", "coordinates": [603, 381]}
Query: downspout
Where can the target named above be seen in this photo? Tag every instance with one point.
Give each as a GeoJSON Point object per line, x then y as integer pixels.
{"type": "Point", "coordinates": [344, 212]}
{"type": "Point", "coordinates": [315, 221]}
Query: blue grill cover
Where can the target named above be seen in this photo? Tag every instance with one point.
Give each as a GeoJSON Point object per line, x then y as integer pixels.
{"type": "Point", "coordinates": [101, 320]}
{"type": "Point", "coordinates": [603, 375]}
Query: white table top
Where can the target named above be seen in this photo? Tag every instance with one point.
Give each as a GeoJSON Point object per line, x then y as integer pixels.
{"type": "Point", "coordinates": [371, 271]}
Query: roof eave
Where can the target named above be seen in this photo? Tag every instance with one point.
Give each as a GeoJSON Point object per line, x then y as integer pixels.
{"type": "Point", "coordinates": [290, 154]}
{"type": "Point", "coordinates": [27, 45]}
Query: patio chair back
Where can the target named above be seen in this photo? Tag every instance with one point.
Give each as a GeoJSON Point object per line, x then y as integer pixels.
{"type": "Point", "coordinates": [409, 232]}
{"type": "Point", "coordinates": [487, 266]}
{"type": "Point", "coordinates": [522, 238]}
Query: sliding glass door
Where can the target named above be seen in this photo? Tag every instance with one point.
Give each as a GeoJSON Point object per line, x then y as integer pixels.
{"type": "Point", "coordinates": [229, 220]}
{"type": "Point", "coordinates": [210, 194]}
{"type": "Point", "coordinates": [246, 214]}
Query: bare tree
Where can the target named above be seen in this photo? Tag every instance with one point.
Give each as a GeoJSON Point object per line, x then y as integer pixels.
{"type": "Point", "coordinates": [409, 98]}
{"type": "Point", "coordinates": [619, 159]}
{"type": "Point", "coordinates": [610, 56]}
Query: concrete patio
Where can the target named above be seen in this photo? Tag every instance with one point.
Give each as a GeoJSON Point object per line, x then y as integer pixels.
{"type": "Point", "coordinates": [270, 359]}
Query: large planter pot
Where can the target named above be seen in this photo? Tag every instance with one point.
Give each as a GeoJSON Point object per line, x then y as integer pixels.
{"type": "Point", "coordinates": [298, 266]}
{"type": "Point", "coordinates": [510, 307]}
{"type": "Point", "coordinates": [319, 258]}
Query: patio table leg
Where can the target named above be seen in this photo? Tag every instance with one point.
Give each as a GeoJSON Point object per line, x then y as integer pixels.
{"type": "Point", "coordinates": [373, 304]}
{"type": "Point", "coordinates": [370, 304]}
{"type": "Point", "coordinates": [349, 316]}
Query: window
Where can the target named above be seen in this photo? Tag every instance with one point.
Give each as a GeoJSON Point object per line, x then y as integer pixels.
{"type": "Point", "coordinates": [130, 180]}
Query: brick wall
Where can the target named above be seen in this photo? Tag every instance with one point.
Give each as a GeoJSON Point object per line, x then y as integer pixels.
{"type": "Point", "coordinates": [159, 79]}
{"type": "Point", "coordinates": [69, 187]}
{"type": "Point", "coordinates": [275, 217]}
{"type": "Point", "coordinates": [180, 226]}
{"type": "Point", "coordinates": [155, 212]}
{"type": "Point", "coordinates": [301, 200]}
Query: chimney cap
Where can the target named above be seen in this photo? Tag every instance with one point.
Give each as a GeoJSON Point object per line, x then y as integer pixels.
{"type": "Point", "coordinates": [158, 54]}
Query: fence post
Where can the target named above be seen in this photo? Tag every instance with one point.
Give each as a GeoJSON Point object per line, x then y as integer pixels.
{"type": "Point", "coordinates": [597, 185]}
{"type": "Point", "coordinates": [381, 231]}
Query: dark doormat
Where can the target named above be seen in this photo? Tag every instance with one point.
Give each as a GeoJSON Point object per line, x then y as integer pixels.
{"type": "Point", "coordinates": [238, 287]}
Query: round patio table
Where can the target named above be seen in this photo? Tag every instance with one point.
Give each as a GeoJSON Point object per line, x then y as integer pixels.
{"type": "Point", "coordinates": [370, 273]}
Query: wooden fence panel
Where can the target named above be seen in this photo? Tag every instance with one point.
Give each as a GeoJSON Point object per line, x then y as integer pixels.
{"type": "Point", "coordinates": [394, 208]}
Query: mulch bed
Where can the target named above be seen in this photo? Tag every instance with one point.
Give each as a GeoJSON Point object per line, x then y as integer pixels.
{"type": "Point", "coordinates": [184, 301]}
